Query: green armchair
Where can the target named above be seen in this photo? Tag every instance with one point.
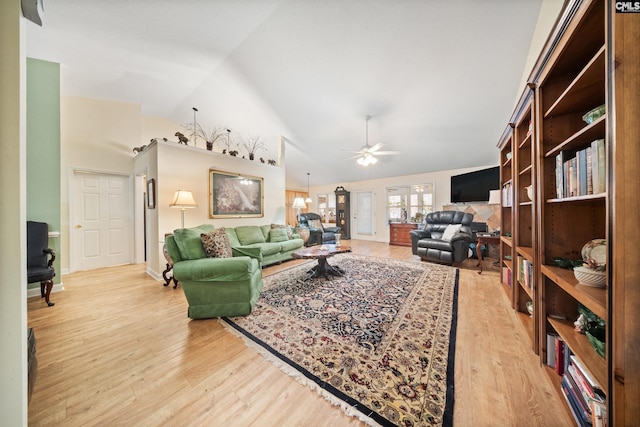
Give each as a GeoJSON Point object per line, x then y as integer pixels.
{"type": "Point", "coordinates": [214, 287]}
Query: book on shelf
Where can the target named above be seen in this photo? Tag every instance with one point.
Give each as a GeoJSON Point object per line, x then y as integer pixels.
{"type": "Point", "coordinates": [586, 392]}
{"type": "Point", "coordinates": [593, 384]}
{"type": "Point", "coordinates": [560, 347]}
{"type": "Point", "coordinates": [507, 194]}
{"type": "Point", "coordinates": [506, 275]}
{"type": "Point", "coordinates": [525, 272]}
{"type": "Point", "coordinates": [589, 171]}
{"type": "Point", "coordinates": [581, 173]}
{"type": "Point", "coordinates": [573, 177]}
{"type": "Point", "coordinates": [581, 157]}
{"type": "Point", "coordinates": [551, 353]}
{"type": "Point", "coordinates": [575, 415]}
{"type": "Point", "coordinates": [602, 165]}
{"type": "Point", "coordinates": [598, 414]}
{"type": "Point", "coordinates": [583, 417]}
{"type": "Point", "coordinates": [560, 175]}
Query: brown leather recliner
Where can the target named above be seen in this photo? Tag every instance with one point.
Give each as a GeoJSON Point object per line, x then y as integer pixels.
{"type": "Point", "coordinates": [428, 242]}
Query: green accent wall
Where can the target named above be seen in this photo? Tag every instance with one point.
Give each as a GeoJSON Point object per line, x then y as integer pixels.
{"type": "Point", "coordinates": [43, 150]}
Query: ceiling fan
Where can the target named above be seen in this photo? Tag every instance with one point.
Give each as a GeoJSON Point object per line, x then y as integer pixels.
{"type": "Point", "coordinates": [366, 155]}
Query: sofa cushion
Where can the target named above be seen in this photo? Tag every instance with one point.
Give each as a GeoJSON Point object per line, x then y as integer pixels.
{"type": "Point", "coordinates": [266, 248]}
{"type": "Point", "coordinates": [291, 245]}
{"type": "Point", "coordinates": [189, 242]}
{"type": "Point", "coordinates": [249, 234]}
{"type": "Point", "coordinates": [278, 235]}
{"type": "Point", "coordinates": [216, 244]}
{"type": "Point", "coordinates": [450, 231]}
{"type": "Point", "coordinates": [265, 231]}
{"type": "Point", "coordinates": [286, 227]}
{"type": "Point", "coordinates": [233, 237]}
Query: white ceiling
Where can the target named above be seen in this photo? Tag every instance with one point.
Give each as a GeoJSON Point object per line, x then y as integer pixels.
{"type": "Point", "coordinates": [439, 78]}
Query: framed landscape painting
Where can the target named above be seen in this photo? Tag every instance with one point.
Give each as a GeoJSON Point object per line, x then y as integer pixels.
{"type": "Point", "coordinates": [233, 195]}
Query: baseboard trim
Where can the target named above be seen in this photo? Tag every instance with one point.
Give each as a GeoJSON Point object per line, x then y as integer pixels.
{"type": "Point", "coordinates": [35, 292]}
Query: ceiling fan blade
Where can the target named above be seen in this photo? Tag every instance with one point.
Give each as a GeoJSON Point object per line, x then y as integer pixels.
{"type": "Point", "coordinates": [385, 153]}
{"type": "Point", "coordinates": [376, 147]}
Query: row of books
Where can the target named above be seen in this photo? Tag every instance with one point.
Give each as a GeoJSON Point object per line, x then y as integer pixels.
{"type": "Point", "coordinates": [506, 276]}
{"type": "Point", "coordinates": [582, 174]}
{"type": "Point", "coordinates": [583, 394]}
{"type": "Point", "coordinates": [525, 272]}
{"type": "Point", "coordinates": [507, 194]}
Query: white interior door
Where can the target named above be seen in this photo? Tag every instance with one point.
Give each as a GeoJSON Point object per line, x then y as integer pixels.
{"type": "Point", "coordinates": [101, 220]}
{"type": "Point", "coordinates": [363, 216]}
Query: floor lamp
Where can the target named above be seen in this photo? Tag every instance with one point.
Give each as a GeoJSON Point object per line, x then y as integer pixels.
{"type": "Point", "coordinates": [183, 199]}
{"type": "Point", "coordinates": [298, 203]}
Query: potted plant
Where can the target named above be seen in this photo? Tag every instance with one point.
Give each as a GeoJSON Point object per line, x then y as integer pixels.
{"type": "Point", "coordinates": [214, 135]}
{"type": "Point", "coordinates": [253, 144]}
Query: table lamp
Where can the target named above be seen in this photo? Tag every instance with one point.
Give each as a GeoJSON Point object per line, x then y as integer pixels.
{"type": "Point", "coordinates": [183, 199]}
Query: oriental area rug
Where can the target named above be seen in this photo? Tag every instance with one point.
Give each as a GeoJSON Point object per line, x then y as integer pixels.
{"type": "Point", "coordinates": [378, 341]}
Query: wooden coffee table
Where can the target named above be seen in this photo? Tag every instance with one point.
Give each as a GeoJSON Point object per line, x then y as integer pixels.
{"type": "Point", "coordinates": [321, 253]}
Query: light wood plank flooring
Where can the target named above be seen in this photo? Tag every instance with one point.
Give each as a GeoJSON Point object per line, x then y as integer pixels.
{"type": "Point", "coordinates": [119, 349]}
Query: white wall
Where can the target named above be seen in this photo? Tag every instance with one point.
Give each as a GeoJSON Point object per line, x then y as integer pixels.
{"type": "Point", "coordinates": [13, 274]}
{"type": "Point", "coordinates": [441, 181]}
{"type": "Point", "coordinates": [549, 12]}
{"type": "Point", "coordinates": [98, 136]}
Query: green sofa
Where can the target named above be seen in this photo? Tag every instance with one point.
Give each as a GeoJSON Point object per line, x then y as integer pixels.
{"type": "Point", "coordinates": [219, 287]}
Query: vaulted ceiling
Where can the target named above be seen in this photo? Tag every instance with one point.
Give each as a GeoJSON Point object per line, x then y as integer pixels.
{"type": "Point", "coordinates": [439, 78]}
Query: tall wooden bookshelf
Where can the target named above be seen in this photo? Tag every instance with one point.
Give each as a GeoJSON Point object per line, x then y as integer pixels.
{"type": "Point", "coordinates": [591, 59]}
{"type": "Point", "coordinates": [524, 185]}
{"type": "Point", "coordinates": [506, 211]}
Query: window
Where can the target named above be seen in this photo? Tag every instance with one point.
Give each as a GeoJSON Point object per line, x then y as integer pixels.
{"type": "Point", "coordinates": [415, 200]}
{"type": "Point", "coordinates": [327, 207]}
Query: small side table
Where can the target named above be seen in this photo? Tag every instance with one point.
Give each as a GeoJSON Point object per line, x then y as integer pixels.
{"type": "Point", "coordinates": [484, 239]}
{"type": "Point", "coordinates": [165, 274]}
{"type": "Point", "coordinates": [303, 232]}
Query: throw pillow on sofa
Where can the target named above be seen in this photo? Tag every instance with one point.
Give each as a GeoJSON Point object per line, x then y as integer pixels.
{"type": "Point", "coordinates": [248, 234]}
{"type": "Point", "coordinates": [189, 242]}
{"type": "Point", "coordinates": [278, 235]}
{"type": "Point", "coordinates": [216, 244]}
{"type": "Point", "coordinates": [450, 231]}
{"type": "Point", "coordinates": [286, 227]}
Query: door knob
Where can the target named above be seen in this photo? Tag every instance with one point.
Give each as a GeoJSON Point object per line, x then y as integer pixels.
{"type": "Point", "coordinates": [78, 226]}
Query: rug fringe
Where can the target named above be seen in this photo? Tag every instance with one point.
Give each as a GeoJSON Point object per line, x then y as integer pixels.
{"type": "Point", "coordinates": [298, 376]}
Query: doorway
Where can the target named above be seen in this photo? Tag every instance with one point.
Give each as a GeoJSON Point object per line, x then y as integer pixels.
{"type": "Point", "coordinates": [363, 216]}
{"type": "Point", "coordinates": [100, 220]}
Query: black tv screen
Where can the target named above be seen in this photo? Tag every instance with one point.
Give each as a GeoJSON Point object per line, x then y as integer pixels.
{"type": "Point", "coordinates": [474, 186]}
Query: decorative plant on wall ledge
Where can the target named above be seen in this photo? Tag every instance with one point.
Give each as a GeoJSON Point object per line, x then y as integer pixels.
{"type": "Point", "coordinates": [252, 145]}
{"type": "Point", "coordinates": [227, 144]}
{"type": "Point", "coordinates": [214, 135]}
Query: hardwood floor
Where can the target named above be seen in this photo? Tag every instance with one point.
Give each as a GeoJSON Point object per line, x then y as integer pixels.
{"type": "Point", "coordinates": [119, 349]}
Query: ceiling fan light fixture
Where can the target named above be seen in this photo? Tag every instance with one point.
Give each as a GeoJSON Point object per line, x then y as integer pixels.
{"type": "Point", "coordinates": [367, 159]}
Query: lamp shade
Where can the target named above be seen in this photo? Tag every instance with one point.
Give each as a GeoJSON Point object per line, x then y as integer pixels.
{"type": "Point", "coordinates": [298, 203]}
{"type": "Point", "coordinates": [183, 199]}
{"type": "Point", "coordinates": [494, 197]}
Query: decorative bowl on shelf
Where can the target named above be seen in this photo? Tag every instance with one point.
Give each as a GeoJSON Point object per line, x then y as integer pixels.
{"type": "Point", "coordinates": [530, 192]}
{"type": "Point", "coordinates": [590, 277]}
{"type": "Point", "coordinates": [594, 114]}
{"type": "Point", "coordinates": [595, 252]}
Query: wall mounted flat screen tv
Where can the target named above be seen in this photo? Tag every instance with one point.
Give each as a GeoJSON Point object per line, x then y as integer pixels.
{"type": "Point", "coordinates": [474, 186]}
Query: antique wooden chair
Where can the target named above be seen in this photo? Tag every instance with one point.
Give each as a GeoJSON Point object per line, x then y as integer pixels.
{"type": "Point", "coordinates": [40, 258]}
